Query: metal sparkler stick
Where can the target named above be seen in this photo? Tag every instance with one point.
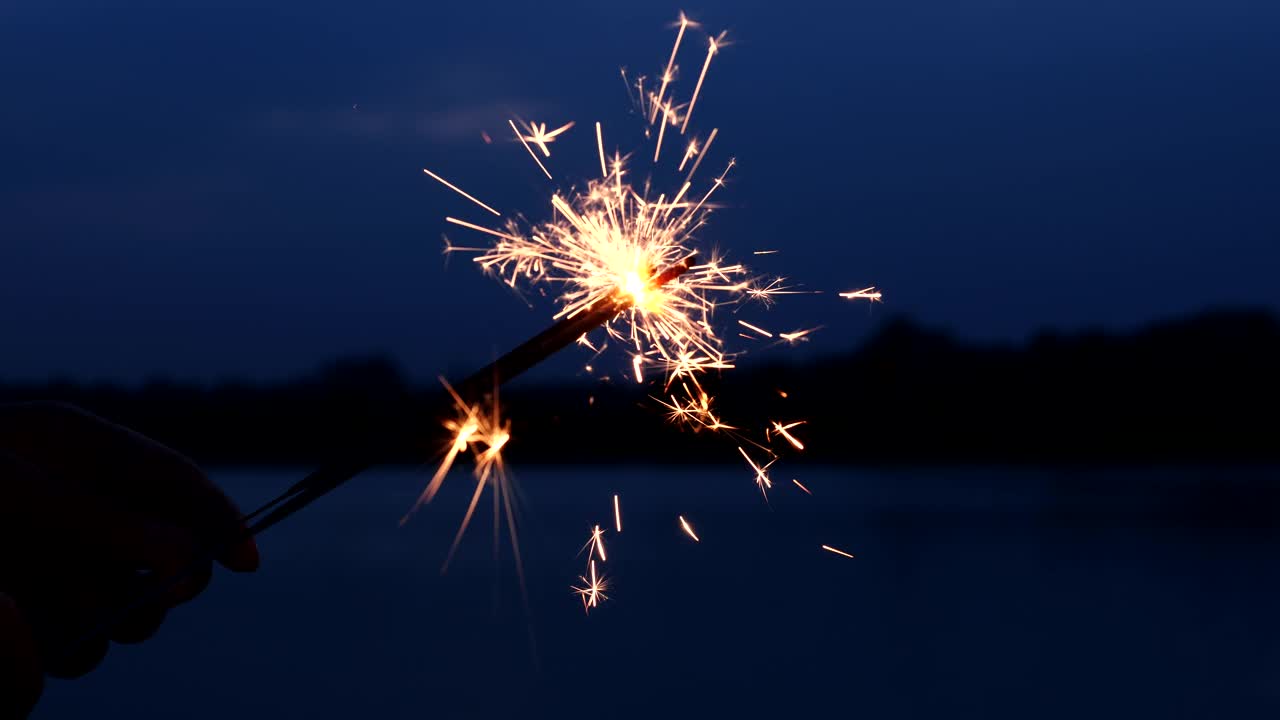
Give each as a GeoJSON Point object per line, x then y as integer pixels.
{"type": "Point", "coordinates": [528, 354]}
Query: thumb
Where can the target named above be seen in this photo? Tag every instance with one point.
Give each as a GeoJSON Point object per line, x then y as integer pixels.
{"type": "Point", "coordinates": [21, 679]}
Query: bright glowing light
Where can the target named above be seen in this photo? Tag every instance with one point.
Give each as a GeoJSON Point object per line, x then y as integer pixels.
{"type": "Point", "coordinates": [761, 471]}
{"type": "Point", "coordinates": [596, 543]}
{"type": "Point", "coordinates": [783, 430]}
{"type": "Point", "coordinates": [830, 549]}
{"type": "Point", "coordinates": [617, 514]}
{"type": "Point", "coordinates": [538, 134]}
{"type": "Point", "coordinates": [867, 293]}
{"type": "Point", "coordinates": [484, 432]}
{"type": "Point", "coordinates": [592, 590]}
{"type": "Point", "coordinates": [688, 529]}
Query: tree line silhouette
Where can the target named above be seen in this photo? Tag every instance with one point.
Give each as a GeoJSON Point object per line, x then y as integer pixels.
{"type": "Point", "coordinates": [1195, 389]}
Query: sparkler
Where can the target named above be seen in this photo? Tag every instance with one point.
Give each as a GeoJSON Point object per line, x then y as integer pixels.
{"type": "Point", "coordinates": [622, 260]}
{"type": "Point", "coordinates": [615, 255]}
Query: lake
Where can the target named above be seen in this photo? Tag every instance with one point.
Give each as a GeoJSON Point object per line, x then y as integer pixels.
{"type": "Point", "coordinates": [991, 593]}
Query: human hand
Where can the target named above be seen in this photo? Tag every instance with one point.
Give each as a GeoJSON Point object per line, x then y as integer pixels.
{"type": "Point", "coordinates": [92, 517]}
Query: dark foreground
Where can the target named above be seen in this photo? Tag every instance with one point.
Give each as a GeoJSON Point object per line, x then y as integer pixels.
{"type": "Point", "coordinates": [975, 593]}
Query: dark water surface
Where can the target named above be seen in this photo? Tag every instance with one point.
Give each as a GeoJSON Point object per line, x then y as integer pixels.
{"type": "Point", "coordinates": [976, 593]}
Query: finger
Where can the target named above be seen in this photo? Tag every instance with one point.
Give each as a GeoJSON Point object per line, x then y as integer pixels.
{"type": "Point", "coordinates": [77, 659]}
{"type": "Point", "coordinates": [21, 677]}
{"type": "Point", "coordinates": [141, 606]}
{"type": "Point", "coordinates": [191, 583]}
{"type": "Point", "coordinates": [66, 534]}
{"type": "Point", "coordinates": [138, 625]}
{"type": "Point", "coordinates": [140, 473]}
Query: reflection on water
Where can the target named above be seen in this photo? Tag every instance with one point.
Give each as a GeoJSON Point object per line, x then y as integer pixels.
{"type": "Point", "coordinates": [975, 593]}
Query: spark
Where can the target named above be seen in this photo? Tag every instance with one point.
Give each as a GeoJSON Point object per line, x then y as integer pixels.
{"type": "Point", "coordinates": [701, 153]}
{"type": "Point", "coordinates": [592, 590]}
{"type": "Point", "coordinates": [666, 74]}
{"type": "Point", "coordinates": [689, 152]}
{"type": "Point", "coordinates": [830, 549]}
{"type": "Point", "coordinates": [520, 137]}
{"type": "Point", "coordinates": [635, 364]}
{"type": "Point", "coordinates": [749, 326]}
{"type": "Point", "coordinates": [482, 431]}
{"type": "Point", "coordinates": [460, 191]}
{"type": "Point", "coordinates": [801, 486]}
{"type": "Point", "coordinates": [782, 430]}
{"type": "Point", "coordinates": [688, 529]}
{"type": "Point", "coordinates": [617, 514]}
{"type": "Point", "coordinates": [762, 474]}
{"type": "Point", "coordinates": [796, 336]}
{"type": "Point", "coordinates": [764, 252]}
{"type": "Point", "coordinates": [539, 136]}
{"type": "Point", "coordinates": [596, 543]}
{"type": "Point", "coordinates": [604, 172]}
{"type": "Point", "coordinates": [713, 46]}
{"type": "Point", "coordinates": [867, 293]}
{"type": "Point", "coordinates": [477, 228]}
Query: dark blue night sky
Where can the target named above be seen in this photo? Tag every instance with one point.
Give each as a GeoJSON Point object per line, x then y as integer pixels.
{"type": "Point", "coordinates": [187, 189]}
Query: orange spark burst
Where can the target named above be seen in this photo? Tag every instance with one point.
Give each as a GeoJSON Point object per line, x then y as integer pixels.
{"type": "Point", "coordinates": [596, 543]}
{"type": "Point", "coordinates": [592, 590]}
{"type": "Point", "coordinates": [688, 529]}
{"type": "Point", "coordinates": [797, 336]}
{"type": "Point", "coordinates": [762, 475]}
{"type": "Point", "coordinates": [525, 143]}
{"type": "Point", "coordinates": [830, 549]}
{"type": "Point", "coordinates": [483, 432]}
{"type": "Point", "coordinates": [783, 431]}
{"type": "Point", "coordinates": [609, 239]}
{"type": "Point", "coordinates": [537, 134]}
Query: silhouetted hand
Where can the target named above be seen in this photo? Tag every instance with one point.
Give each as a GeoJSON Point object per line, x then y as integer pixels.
{"type": "Point", "coordinates": [92, 517]}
